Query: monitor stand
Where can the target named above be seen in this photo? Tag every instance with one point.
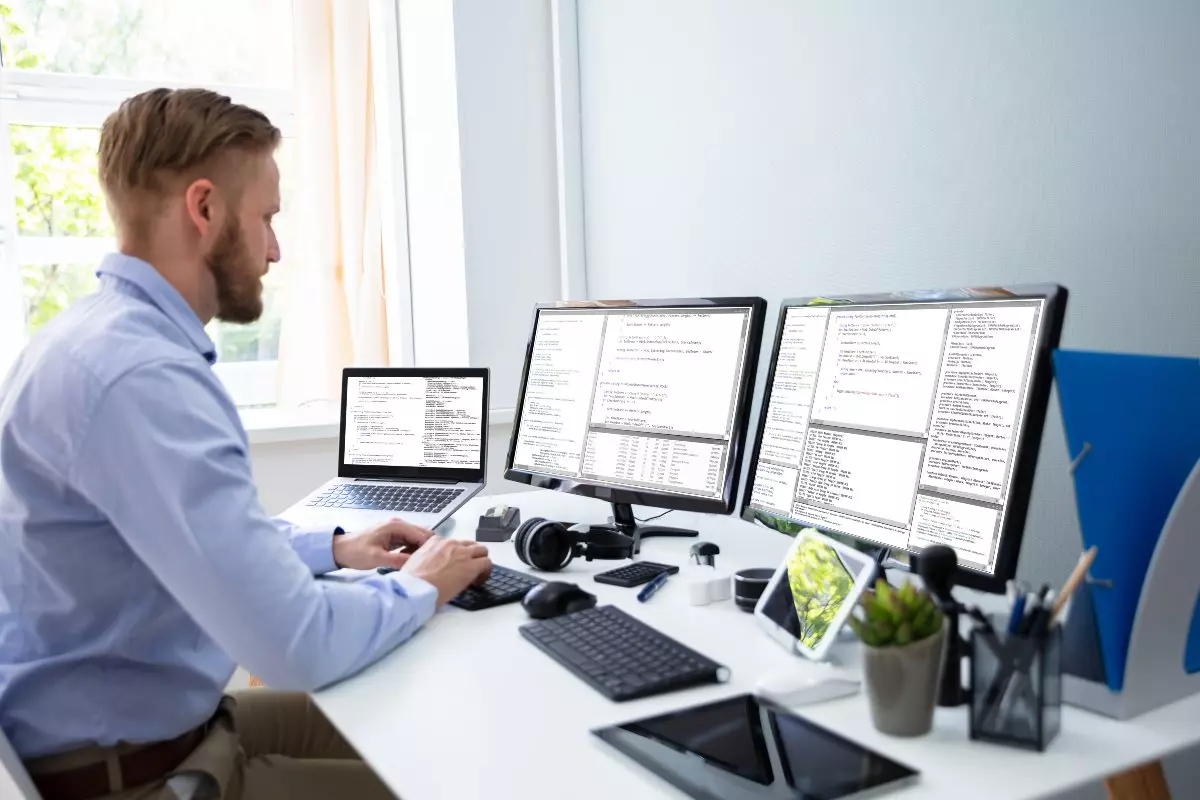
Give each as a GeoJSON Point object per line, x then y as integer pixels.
{"type": "Point", "coordinates": [624, 522]}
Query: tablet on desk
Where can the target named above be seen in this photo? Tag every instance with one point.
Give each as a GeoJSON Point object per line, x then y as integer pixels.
{"type": "Point", "coordinates": [813, 592]}
{"type": "Point", "coordinates": [748, 748]}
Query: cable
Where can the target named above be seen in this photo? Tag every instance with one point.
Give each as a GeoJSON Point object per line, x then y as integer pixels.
{"type": "Point", "coordinates": [656, 516]}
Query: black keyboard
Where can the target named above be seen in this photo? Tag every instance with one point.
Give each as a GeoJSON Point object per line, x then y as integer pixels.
{"type": "Point", "coordinates": [619, 656]}
{"type": "Point", "coordinates": [502, 586]}
{"type": "Point", "coordinates": [381, 497]}
{"type": "Point", "coordinates": [634, 574]}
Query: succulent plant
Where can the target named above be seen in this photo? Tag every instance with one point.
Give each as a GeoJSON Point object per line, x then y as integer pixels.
{"type": "Point", "coordinates": [896, 617]}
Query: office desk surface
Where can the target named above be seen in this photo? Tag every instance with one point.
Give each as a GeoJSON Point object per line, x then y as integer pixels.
{"type": "Point", "coordinates": [468, 708]}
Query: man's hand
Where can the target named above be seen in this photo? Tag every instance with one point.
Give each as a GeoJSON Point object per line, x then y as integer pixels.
{"type": "Point", "coordinates": [373, 548]}
{"type": "Point", "coordinates": [450, 565]}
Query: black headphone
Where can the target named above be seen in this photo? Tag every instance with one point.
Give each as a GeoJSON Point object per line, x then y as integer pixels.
{"type": "Point", "coordinates": [549, 546]}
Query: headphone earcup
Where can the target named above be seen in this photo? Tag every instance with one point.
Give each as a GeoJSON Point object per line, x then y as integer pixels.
{"type": "Point", "coordinates": [521, 537]}
{"type": "Point", "coordinates": [547, 546]}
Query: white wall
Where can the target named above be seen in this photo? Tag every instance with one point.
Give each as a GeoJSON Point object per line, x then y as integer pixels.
{"type": "Point", "coordinates": [781, 148]}
{"type": "Point", "coordinates": [506, 134]}
{"type": "Point", "coordinates": [285, 472]}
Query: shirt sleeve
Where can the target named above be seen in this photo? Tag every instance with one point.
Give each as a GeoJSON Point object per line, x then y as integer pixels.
{"type": "Point", "coordinates": [163, 459]}
{"type": "Point", "coordinates": [313, 545]}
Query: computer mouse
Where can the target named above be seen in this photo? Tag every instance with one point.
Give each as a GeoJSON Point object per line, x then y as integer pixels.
{"type": "Point", "coordinates": [555, 598]}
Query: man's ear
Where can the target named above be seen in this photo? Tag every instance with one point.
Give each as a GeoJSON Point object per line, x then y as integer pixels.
{"type": "Point", "coordinates": [200, 201]}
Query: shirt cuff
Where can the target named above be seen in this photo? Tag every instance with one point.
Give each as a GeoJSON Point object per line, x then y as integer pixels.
{"type": "Point", "coordinates": [315, 548]}
{"type": "Point", "coordinates": [422, 593]}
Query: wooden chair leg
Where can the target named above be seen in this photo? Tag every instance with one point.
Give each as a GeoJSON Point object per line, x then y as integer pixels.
{"type": "Point", "coordinates": [1146, 782]}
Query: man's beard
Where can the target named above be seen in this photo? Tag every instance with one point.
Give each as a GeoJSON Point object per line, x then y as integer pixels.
{"type": "Point", "coordinates": [239, 286]}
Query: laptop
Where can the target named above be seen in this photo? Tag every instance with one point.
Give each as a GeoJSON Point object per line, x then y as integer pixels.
{"type": "Point", "coordinates": [413, 446]}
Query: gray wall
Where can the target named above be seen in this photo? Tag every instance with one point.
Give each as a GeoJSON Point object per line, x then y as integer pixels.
{"type": "Point", "coordinates": [503, 56]}
{"type": "Point", "coordinates": [782, 148]}
{"type": "Point", "coordinates": [786, 148]}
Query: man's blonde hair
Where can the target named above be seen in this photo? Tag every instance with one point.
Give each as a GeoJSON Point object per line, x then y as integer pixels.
{"type": "Point", "coordinates": [161, 136]}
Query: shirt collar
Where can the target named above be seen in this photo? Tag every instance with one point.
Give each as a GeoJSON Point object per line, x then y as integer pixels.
{"type": "Point", "coordinates": [163, 295]}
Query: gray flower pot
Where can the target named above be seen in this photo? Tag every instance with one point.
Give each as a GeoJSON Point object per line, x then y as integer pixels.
{"type": "Point", "coordinates": [902, 684]}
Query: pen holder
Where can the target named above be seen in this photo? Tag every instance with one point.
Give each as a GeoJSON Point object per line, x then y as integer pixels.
{"type": "Point", "coordinates": [1016, 687]}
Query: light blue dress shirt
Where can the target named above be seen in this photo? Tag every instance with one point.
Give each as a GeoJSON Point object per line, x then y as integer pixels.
{"type": "Point", "coordinates": [136, 564]}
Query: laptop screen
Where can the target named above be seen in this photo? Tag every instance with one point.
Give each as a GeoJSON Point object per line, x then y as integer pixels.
{"type": "Point", "coordinates": [405, 422]}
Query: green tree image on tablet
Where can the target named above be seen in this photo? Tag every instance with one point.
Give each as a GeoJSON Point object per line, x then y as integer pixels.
{"type": "Point", "coordinates": [820, 584]}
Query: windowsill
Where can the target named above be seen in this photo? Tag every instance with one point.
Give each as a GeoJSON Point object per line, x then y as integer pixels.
{"type": "Point", "coordinates": [275, 426]}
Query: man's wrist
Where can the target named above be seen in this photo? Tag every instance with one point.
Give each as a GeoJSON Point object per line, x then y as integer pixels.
{"type": "Point", "coordinates": [334, 541]}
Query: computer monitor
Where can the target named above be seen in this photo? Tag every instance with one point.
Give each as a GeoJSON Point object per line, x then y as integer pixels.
{"type": "Point", "coordinates": [638, 402]}
{"type": "Point", "coordinates": [899, 421]}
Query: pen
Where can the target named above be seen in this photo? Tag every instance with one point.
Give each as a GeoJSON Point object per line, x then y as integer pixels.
{"type": "Point", "coordinates": [1018, 611]}
{"type": "Point", "coordinates": [1041, 624]}
{"type": "Point", "coordinates": [1033, 609]}
{"type": "Point", "coordinates": [653, 586]}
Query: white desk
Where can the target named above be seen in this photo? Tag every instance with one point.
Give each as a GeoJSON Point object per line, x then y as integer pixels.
{"type": "Point", "coordinates": [468, 708]}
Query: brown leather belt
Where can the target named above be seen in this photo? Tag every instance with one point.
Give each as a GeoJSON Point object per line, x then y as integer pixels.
{"type": "Point", "coordinates": [144, 765]}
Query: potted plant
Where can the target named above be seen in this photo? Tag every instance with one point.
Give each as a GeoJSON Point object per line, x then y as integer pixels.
{"type": "Point", "coordinates": [903, 636]}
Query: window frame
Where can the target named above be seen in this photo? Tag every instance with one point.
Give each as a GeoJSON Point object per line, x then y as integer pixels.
{"type": "Point", "coordinates": [38, 98]}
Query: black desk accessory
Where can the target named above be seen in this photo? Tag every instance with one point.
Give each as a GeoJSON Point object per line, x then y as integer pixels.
{"type": "Point", "coordinates": [498, 524]}
{"type": "Point", "coordinates": [705, 553]}
{"type": "Point", "coordinates": [1016, 683]}
{"type": "Point", "coordinates": [748, 586]}
{"type": "Point", "coordinates": [503, 586]}
{"type": "Point", "coordinates": [619, 656]}
{"type": "Point", "coordinates": [549, 545]}
{"type": "Point", "coordinates": [937, 566]}
{"type": "Point", "coordinates": [634, 574]}
{"type": "Point", "coordinates": [555, 598]}
{"type": "Point", "coordinates": [623, 522]}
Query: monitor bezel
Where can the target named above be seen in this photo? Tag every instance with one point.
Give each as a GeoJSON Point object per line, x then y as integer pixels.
{"type": "Point", "coordinates": [415, 473]}
{"type": "Point", "coordinates": [634, 496]}
{"type": "Point", "coordinates": [1041, 378]}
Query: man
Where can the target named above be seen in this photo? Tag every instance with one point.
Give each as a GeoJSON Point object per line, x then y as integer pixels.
{"type": "Point", "coordinates": [136, 564]}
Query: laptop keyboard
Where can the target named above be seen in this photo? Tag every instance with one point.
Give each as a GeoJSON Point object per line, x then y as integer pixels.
{"type": "Point", "coordinates": [382, 497]}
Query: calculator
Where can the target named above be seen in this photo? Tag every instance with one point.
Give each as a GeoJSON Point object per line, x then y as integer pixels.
{"type": "Point", "coordinates": [634, 574]}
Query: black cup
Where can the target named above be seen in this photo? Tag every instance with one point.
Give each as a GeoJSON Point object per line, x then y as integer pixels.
{"type": "Point", "coordinates": [748, 586]}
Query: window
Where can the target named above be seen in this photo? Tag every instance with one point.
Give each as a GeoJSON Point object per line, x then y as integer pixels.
{"type": "Point", "coordinates": [66, 64]}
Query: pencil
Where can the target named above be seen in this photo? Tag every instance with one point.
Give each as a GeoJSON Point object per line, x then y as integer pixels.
{"type": "Point", "coordinates": [1076, 578]}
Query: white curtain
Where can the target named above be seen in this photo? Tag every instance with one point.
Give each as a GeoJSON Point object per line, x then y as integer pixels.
{"type": "Point", "coordinates": [334, 314]}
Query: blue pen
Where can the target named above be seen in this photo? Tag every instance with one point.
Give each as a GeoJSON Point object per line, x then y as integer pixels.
{"type": "Point", "coordinates": [1018, 611]}
{"type": "Point", "coordinates": [653, 586]}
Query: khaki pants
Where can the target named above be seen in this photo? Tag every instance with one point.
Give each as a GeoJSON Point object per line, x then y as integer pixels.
{"type": "Point", "coordinates": [263, 745]}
